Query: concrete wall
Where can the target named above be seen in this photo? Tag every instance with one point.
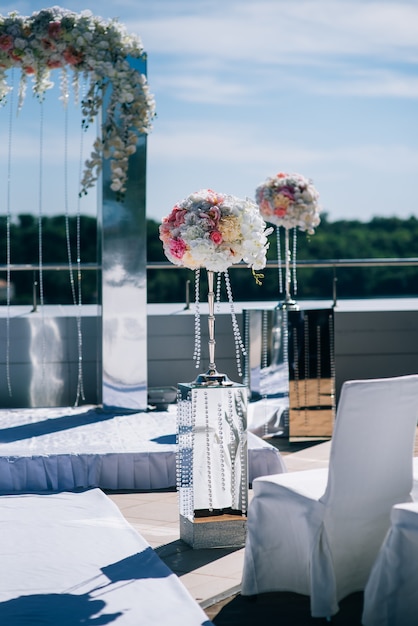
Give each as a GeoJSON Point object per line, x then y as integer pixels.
{"type": "Point", "coordinates": [375, 344]}
{"type": "Point", "coordinates": [372, 339]}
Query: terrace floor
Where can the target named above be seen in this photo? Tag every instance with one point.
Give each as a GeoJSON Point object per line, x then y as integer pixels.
{"type": "Point", "coordinates": [213, 576]}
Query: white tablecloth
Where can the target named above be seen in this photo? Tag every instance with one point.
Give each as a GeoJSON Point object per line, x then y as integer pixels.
{"type": "Point", "coordinates": [69, 448]}
{"type": "Point", "coordinates": [71, 559]}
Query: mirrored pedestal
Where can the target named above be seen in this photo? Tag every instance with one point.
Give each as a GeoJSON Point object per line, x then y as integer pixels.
{"type": "Point", "coordinates": [212, 464]}
{"type": "Point", "coordinates": [290, 371]}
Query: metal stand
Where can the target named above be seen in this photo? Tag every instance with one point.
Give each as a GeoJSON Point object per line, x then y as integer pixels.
{"type": "Point", "coordinates": [289, 303]}
{"type": "Point", "coordinates": [212, 458]}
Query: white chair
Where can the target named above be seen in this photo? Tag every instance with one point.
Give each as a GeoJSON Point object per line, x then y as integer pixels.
{"type": "Point", "coordinates": [390, 596]}
{"type": "Point", "coordinates": [317, 532]}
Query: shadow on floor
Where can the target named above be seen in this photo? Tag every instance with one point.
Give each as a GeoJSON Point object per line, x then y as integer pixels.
{"type": "Point", "coordinates": [286, 609]}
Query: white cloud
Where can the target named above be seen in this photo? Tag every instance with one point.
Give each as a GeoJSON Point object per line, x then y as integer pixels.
{"type": "Point", "coordinates": [241, 145]}
{"type": "Point", "coordinates": [270, 31]}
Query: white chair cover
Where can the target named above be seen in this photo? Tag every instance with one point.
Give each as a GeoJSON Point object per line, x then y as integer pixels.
{"type": "Point", "coordinates": [317, 532]}
{"type": "Point", "coordinates": [390, 596]}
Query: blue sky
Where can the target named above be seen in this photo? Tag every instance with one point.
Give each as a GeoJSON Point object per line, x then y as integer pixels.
{"type": "Point", "coordinates": [245, 89]}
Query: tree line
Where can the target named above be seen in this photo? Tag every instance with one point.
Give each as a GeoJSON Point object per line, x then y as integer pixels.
{"type": "Point", "coordinates": [381, 237]}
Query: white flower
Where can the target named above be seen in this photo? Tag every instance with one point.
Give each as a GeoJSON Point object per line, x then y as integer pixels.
{"type": "Point", "coordinates": [214, 231]}
{"type": "Point", "coordinates": [91, 47]}
{"type": "Point", "coordinates": [289, 200]}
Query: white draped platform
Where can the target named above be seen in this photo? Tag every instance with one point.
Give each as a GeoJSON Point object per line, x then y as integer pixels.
{"type": "Point", "coordinates": [71, 558]}
{"type": "Point", "coordinates": [72, 448]}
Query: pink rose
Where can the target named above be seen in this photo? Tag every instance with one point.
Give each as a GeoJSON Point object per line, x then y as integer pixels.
{"type": "Point", "coordinates": [54, 29]}
{"type": "Point", "coordinates": [53, 64]}
{"type": "Point", "coordinates": [216, 237]}
{"type": "Point", "coordinates": [177, 248]}
{"type": "Point", "coordinates": [280, 211]}
{"type": "Point", "coordinates": [6, 42]}
{"type": "Point", "coordinates": [288, 192]}
{"type": "Point", "coordinates": [72, 57]}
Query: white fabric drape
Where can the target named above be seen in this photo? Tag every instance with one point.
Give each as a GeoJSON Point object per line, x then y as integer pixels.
{"type": "Point", "coordinates": [72, 558]}
{"type": "Point", "coordinates": [317, 532]}
{"type": "Point", "coordinates": [390, 596]}
{"type": "Point", "coordinates": [71, 448]}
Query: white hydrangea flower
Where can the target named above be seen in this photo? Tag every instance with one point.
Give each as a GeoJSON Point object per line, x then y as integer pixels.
{"type": "Point", "coordinates": [55, 37]}
{"type": "Point", "coordinates": [289, 200]}
{"type": "Point", "coordinates": [214, 231]}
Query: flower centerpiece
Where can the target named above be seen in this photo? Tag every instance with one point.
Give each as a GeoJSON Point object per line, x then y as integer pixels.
{"type": "Point", "coordinates": [97, 51]}
{"type": "Point", "coordinates": [289, 201]}
{"type": "Point", "coordinates": [214, 231]}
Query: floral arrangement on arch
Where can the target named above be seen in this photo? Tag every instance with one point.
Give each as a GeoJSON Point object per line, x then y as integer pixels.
{"type": "Point", "coordinates": [289, 200]}
{"type": "Point", "coordinates": [97, 51]}
{"type": "Point", "coordinates": [214, 231]}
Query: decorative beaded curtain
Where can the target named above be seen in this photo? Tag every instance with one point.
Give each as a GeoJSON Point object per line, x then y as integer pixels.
{"type": "Point", "coordinates": [42, 152]}
{"type": "Point", "coordinates": [49, 173]}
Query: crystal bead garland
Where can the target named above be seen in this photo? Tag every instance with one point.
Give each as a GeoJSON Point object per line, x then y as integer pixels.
{"type": "Point", "coordinates": [264, 338]}
{"type": "Point", "coordinates": [22, 90]}
{"type": "Point", "coordinates": [264, 355]}
{"type": "Point", "coordinates": [239, 345]}
{"type": "Point", "coordinates": [332, 358]}
{"type": "Point", "coordinates": [221, 445]}
{"type": "Point", "coordinates": [241, 430]}
{"type": "Point", "coordinates": [296, 372]}
{"type": "Point", "coordinates": [218, 291]}
{"type": "Point", "coordinates": [233, 446]}
{"type": "Point", "coordinates": [184, 458]}
{"type": "Point", "coordinates": [246, 379]}
{"type": "Point", "coordinates": [8, 243]}
{"type": "Point", "coordinates": [307, 372]}
{"type": "Point", "coordinates": [77, 298]}
{"type": "Point", "coordinates": [40, 242]}
{"type": "Point", "coordinates": [197, 331]}
{"type": "Point", "coordinates": [318, 364]}
{"type": "Point", "coordinates": [208, 452]}
{"type": "Point", "coordinates": [279, 260]}
{"type": "Point", "coordinates": [295, 282]}
{"type": "Point", "coordinates": [285, 330]}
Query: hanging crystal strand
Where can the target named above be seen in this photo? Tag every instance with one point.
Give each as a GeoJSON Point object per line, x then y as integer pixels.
{"type": "Point", "coordinates": [242, 455]}
{"type": "Point", "coordinates": [197, 334]}
{"type": "Point", "coordinates": [296, 374]}
{"type": "Point", "coordinates": [264, 356]}
{"type": "Point", "coordinates": [233, 445]}
{"type": "Point", "coordinates": [80, 382]}
{"type": "Point", "coordinates": [40, 248]}
{"type": "Point", "coordinates": [8, 243]}
{"type": "Point", "coordinates": [75, 83]}
{"type": "Point", "coordinates": [307, 401]}
{"type": "Point", "coordinates": [22, 90]}
{"type": "Point", "coordinates": [279, 259]}
{"type": "Point", "coordinates": [208, 451]}
{"type": "Point", "coordinates": [285, 331]}
{"type": "Point", "coordinates": [218, 291]}
{"type": "Point", "coordinates": [221, 444]}
{"type": "Point", "coordinates": [67, 224]}
{"type": "Point", "coordinates": [318, 363]}
{"type": "Point", "coordinates": [332, 361]}
{"type": "Point", "coordinates": [76, 300]}
{"type": "Point", "coordinates": [239, 345]}
{"type": "Point", "coordinates": [64, 97]}
{"type": "Point", "coordinates": [295, 283]}
{"type": "Point", "coordinates": [264, 338]}
{"type": "Point", "coordinates": [246, 378]}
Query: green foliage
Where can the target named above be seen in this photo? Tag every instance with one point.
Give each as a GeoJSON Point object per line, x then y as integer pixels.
{"type": "Point", "coordinates": [379, 238]}
{"type": "Point", "coordinates": [25, 249]}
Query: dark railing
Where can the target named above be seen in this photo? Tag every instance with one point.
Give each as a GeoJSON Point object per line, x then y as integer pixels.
{"type": "Point", "coordinates": [333, 264]}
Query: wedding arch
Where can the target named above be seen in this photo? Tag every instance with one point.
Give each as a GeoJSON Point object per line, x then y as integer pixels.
{"type": "Point", "coordinates": [103, 69]}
